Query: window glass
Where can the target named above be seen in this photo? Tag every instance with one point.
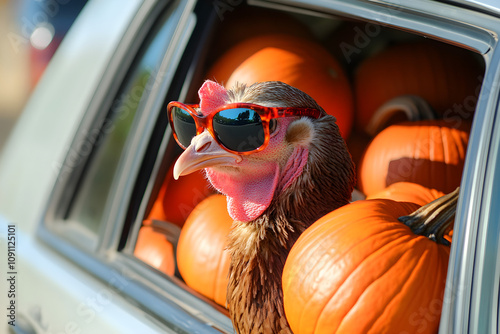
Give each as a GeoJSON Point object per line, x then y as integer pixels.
{"type": "Point", "coordinates": [90, 200]}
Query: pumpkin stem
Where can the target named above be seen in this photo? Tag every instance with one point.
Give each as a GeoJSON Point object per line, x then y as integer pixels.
{"type": "Point", "coordinates": [434, 220]}
{"type": "Point", "coordinates": [414, 107]}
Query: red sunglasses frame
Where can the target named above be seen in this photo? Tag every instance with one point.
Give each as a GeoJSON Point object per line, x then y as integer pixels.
{"type": "Point", "coordinates": [266, 114]}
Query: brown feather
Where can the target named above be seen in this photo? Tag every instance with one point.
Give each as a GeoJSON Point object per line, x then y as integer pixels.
{"type": "Point", "coordinates": [259, 248]}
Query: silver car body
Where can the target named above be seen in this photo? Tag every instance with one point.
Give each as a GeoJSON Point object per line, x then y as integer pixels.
{"type": "Point", "coordinates": [93, 288]}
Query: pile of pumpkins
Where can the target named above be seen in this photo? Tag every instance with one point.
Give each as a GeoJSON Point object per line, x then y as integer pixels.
{"type": "Point", "coordinates": [406, 119]}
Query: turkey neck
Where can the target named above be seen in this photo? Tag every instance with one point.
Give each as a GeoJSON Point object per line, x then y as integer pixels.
{"type": "Point", "coordinates": [258, 252]}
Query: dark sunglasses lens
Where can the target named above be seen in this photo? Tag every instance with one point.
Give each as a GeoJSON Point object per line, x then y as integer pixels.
{"type": "Point", "coordinates": [239, 129]}
{"type": "Point", "coordinates": [184, 126]}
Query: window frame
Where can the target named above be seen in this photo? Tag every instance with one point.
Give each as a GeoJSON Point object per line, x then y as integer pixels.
{"type": "Point", "coordinates": [105, 95]}
{"type": "Point", "coordinates": [97, 111]}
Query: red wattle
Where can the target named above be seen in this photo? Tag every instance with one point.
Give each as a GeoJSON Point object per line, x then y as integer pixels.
{"type": "Point", "coordinates": [247, 197]}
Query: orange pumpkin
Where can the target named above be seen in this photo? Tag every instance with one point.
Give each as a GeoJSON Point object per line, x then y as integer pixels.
{"type": "Point", "coordinates": [359, 270]}
{"type": "Point", "coordinates": [429, 153]}
{"type": "Point", "coordinates": [157, 211]}
{"type": "Point", "coordinates": [154, 248]}
{"type": "Point", "coordinates": [234, 28]}
{"type": "Point", "coordinates": [408, 192]}
{"type": "Point", "coordinates": [201, 257]}
{"type": "Point", "coordinates": [447, 77]}
{"type": "Point", "coordinates": [177, 198]}
{"type": "Point", "coordinates": [296, 61]}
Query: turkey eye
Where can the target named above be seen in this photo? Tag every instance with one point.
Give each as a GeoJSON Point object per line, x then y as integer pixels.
{"type": "Point", "coordinates": [273, 124]}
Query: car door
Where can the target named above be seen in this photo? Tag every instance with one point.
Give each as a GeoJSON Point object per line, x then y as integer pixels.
{"type": "Point", "coordinates": [103, 165]}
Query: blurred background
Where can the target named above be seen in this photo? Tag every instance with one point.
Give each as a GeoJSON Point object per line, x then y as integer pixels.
{"type": "Point", "coordinates": [30, 32]}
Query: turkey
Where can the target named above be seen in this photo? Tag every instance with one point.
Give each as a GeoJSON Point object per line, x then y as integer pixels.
{"type": "Point", "coordinates": [281, 163]}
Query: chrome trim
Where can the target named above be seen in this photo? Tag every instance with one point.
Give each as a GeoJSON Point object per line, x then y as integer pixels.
{"type": "Point", "coordinates": [466, 272]}
{"type": "Point", "coordinates": [457, 26]}
{"type": "Point", "coordinates": [489, 6]}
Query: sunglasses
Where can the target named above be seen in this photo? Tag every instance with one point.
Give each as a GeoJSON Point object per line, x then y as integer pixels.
{"type": "Point", "coordinates": [239, 128]}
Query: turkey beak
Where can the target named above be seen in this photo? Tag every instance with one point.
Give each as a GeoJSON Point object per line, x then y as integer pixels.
{"type": "Point", "coordinates": [203, 152]}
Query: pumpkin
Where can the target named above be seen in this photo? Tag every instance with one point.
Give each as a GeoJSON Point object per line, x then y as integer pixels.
{"type": "Point", "coordinates": [234, 28]}
{"type": "Point", "coordinates": [154, 247]}
{"type": "Point", "coordinates": [201, 257]}
{"type": "Point", "coordinates": [359, 269]}
{"type": "Point", "coordinates": [447, 77]}
{"type": "Point", "coordinates": [408, 192]}
{"type": "Point", "coordinates": [296, 61]}
{"type": "Point", "coordinates": [177, 198]}
{"type": "Point", "coordinates": [429, 153]}
{"type": "Point", "coordinates": [157, 211]}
